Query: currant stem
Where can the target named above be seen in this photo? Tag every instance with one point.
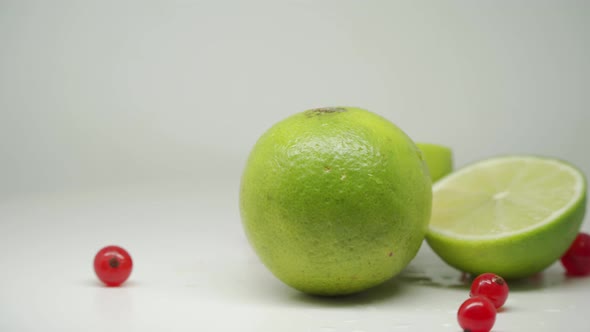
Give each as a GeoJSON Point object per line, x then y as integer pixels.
{"type": "Point", "coordinates": [114, 262]}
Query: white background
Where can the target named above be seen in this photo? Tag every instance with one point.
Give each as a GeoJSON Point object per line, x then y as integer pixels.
{"type": "Point", "coordinates": [129, 122]}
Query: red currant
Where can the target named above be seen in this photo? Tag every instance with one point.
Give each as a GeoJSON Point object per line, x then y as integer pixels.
{"type": "Point", "coordinates": [491, 286]}
{"type": "Point", "coordinates": [477, 314]}
{"type": "Point", "coordinates": [577, 259]}
{"type": "Point", "coordinates": [112, 265]}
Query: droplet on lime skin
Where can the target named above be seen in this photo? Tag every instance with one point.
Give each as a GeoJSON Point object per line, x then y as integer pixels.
{"type": "Point", "coordinates": [349, 191]}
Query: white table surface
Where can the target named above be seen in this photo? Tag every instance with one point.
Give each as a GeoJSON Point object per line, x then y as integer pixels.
{"type": "Point", "coordinates": [194, 270]}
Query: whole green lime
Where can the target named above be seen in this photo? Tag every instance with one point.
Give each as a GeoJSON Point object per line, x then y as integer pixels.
{"type": "Point", "coordinates": [335, 200]}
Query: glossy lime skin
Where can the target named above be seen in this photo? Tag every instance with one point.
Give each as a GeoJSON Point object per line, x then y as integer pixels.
{"type": "Point", "coordinates": [335, 200]}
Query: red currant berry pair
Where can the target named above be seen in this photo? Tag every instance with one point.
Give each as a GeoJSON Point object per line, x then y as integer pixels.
{"type": "Point", "coordinates": [576, 260]}
{"type": "Point", "coordinates": [112, 265]}
{"type": "Point", "coordinates": [478, 313]}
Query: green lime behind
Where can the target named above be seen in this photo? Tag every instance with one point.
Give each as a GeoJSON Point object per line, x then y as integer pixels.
{"type": "Point", "coordinates": [335, 200]}
{"type": "Point", "coordinates": [438, 158]}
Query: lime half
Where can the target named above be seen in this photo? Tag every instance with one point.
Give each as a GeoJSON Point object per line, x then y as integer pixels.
{"type": "Point", "coordinates": [511, 215]}
{"type": "Point", "coordinates": [438, 158]}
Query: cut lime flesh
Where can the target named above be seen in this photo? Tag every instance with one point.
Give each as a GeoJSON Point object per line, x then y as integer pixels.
{"type": "Point", "coordinates": [511, 215]}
